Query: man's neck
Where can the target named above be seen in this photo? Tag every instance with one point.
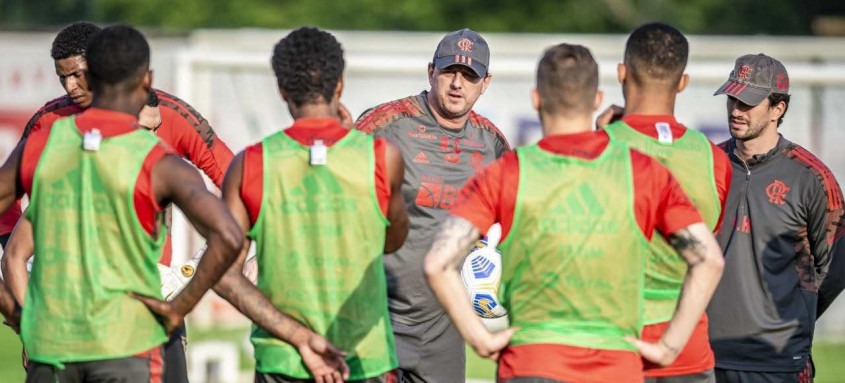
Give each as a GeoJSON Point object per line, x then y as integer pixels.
{"type": "Point", "coordinates": [456, 123]}
{"type": "Point", "coordinates": [561, 124]}
{"type": "Point", "coordinates": [649, 101]}
{"type": "Point", "coordinates": [320, 110]}
{"type": "Point", "coordinates": [745, 149]}
{"type": "Point", "coordinates": [118, 102]}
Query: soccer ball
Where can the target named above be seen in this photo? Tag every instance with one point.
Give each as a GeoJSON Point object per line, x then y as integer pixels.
{"type": "Point", "coordinates": [482, 274]}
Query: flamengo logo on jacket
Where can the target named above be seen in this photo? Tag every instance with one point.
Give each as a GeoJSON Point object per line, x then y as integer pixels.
{"type": "Point", "coordinates": [776, 191]}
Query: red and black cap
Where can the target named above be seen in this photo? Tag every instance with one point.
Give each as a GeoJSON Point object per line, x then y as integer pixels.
{"type": "Point", "coordinates": [754, 78]}
{"type": "Point", "coordinates": [464, 47]}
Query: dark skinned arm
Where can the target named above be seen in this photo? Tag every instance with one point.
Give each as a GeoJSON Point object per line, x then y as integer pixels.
{"type": "Point", "coordinates": [18, 251]}
{"type": "Point", "coordinates": [325, 362]}
{"type": "Point", "coordinates": [10, 183]}
{"type": "Point", "coordinates": [175, 181]}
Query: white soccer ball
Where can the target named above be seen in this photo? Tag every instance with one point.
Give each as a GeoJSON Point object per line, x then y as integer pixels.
{"type": "Point", "coordinates": [482, 275]}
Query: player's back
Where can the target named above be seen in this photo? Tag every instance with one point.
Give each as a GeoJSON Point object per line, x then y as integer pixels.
{"type": "Point", "coordinates": [689, 155]}
{"type": "Point", "coordinates": [319, 235]}
{"type": "Point", "coordinates": [564, 279]}
{"type": "Point", "coordinates": [93, 250]}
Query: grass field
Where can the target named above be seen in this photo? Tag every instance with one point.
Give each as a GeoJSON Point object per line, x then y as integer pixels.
{"type": "Point", "coordinates": [828, 357]}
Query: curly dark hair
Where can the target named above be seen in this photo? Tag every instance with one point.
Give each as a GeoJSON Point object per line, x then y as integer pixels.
{"type": "Point", "coordinates": [116, 55]}
{"type": "Point", "coordinates": [308, 64]}
{"type": "Point", "coordinates": [71, 41]}
{"type": "Point", "coordinates": [656, 51]}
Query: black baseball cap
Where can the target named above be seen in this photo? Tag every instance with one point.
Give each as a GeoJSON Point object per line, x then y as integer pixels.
{"type": "Point", "coordinates": [754, 78]}
{"type": "Point", "coordinates": [464, 47]}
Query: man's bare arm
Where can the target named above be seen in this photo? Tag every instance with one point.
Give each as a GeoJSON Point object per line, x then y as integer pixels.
{"type": "Point", "coordinates": [10, 187]}
{"type": "Point", "coordinates": [698, 247]}
{"type": "Point", "coordinates": [18, 251]}
{"type": "Point", "coordinates": [397, 215]}
{"type": "Point", "coordinates": [442, 267]}
{"type": "Point", "coordinates": [9, 308]}
{"type": "Point", "coordinates": [176, 181]}
{"type": "Point", "coordinates": [324, 361]}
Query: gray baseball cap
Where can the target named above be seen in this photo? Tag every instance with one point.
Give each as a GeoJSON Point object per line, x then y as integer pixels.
{"type": "Point", "coordinates": [754, 78]}
{"type": "Point", "coordinates": [464, 47]}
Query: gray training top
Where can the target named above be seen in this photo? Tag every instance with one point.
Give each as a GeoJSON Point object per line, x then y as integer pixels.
{"type": "Point", "coordinates": [438, 162]}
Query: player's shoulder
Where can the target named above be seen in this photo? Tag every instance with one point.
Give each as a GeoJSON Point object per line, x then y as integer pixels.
{"type": "Point", "coordinates": [169, 102]}
{"type": "Point", "coordinates": [820, 172]}
{"type": "Point", "coordinates": [60, 106]}
{"type": "Point", "coordinates": [54, 109]}
{"type": "Point", "coordinates": [724, 146]}
{"type": "Point", "coordinates": [645, 164]}
{"type": "Point", "coordinates": [481, 122]}
{"type": "Point", "coordinates": [381, 116]}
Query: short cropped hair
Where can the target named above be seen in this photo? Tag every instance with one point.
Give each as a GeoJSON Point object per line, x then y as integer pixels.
{"type": "Point", "coordinates": [567, 79]}
{"type": "Point", "coordinates": [117, 54]}
{"type": "Point", "coordinates": [656, 52]}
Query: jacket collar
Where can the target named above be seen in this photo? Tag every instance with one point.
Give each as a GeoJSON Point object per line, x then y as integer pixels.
{"type": "Point", "coordinates": [780, 148]}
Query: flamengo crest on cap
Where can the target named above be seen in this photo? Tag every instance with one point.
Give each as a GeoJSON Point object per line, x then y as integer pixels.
{"type": "Point", "coordinates": [465, 45]}
{"type": "Point", "coordinates": [744, 72]}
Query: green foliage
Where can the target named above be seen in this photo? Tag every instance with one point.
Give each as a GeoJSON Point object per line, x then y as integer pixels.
{"type": "Point", "coordinates": [561, 16]}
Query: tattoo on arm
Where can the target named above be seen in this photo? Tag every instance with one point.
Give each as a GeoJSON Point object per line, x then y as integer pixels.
{"type": "Point", "coordinates": [455, 238]}
{"type": "Point", "coordinates": [690, 247]}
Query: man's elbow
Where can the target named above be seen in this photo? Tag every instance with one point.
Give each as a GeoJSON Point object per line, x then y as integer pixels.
{"type": "Point", "coordinates": [396, 236]}
{"type": "Point", "coordinates": [230, 239]}
{"type": "Point", "coordinates": [434, 268]}
{"type": "Point", "coordinates": [716, 264]}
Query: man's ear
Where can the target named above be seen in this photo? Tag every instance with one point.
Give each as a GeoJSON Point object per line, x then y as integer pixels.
{"type": "Point", "coordinates": [147, 81]}
{"type": "Point", "coordinates": [683, 83]}
{"type": "Point", "coordinates": [776, 111]}
{"type": "Point", "coordinates": [338, 89]}
{"type": "Point", "coordinates": [535, 99]}
{"type": "Point", "coordinates": [431, 74]}
{"type": "Point", "coordinates": [599, 99]}
{"type": "Point", "coordinates": [621, 72]}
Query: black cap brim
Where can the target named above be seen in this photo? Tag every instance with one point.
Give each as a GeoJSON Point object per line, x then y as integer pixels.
{"type": "Point", "coordinates": [749, 95]}
{"type": "Point", "coordinates": [446, 61]}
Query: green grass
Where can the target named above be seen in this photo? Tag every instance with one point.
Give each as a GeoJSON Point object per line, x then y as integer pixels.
{"type": "Point", "coordinates": [10, 356]}
{"type": "Point", "coordinates": [828, 356]}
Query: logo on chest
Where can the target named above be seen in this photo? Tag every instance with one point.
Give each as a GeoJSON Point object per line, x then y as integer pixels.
{"type": "Point", "coordinates": [776, 191]}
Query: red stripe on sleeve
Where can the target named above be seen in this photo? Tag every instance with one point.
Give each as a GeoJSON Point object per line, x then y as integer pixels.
{"type": "Point", "coordinates": [834, 193]}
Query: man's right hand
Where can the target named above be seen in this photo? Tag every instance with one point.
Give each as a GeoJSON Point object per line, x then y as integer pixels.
{"type": "Point", "coordinates": [13, 320]}
{"type": "Point", "coordinates": [325, 361]}
{"type": "Point", "coordinates": [169, 317]}
{"type": "Point", "coordinates": [612, 114]}
{"type": "Point", "coordinates": [490, 345]}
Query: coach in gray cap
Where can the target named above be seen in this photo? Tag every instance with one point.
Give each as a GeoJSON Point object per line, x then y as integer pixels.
{"type": "Point", "coordinates": [443, 143]}
{"type": "Point", "coordinates": [781, 234]}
